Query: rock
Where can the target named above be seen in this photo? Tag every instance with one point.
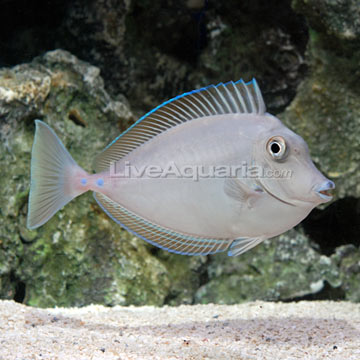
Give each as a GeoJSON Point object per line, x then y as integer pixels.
{"type": "Point", "coordinates": [80, 256]}
{"type": "Point", "coordinates": [326, 109]}
{"type": "Point", "coordinates": [347, 258]}
{"type": "Point", "coordinates": [336, 18]}
{"type": "Point", "coordinates": [141, 47]}
{"type": "Point", "coordinates": [152, 51]}
{"type": "Point", "coordinates": [255, 39]}
{"type": "Point", "coordinates": [284, 268]}
{"type": "Point", "coordinates": [185, 276]}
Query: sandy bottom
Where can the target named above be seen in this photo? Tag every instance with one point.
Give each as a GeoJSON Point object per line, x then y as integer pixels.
{"type": "Point", "coordinates": [259, 330]}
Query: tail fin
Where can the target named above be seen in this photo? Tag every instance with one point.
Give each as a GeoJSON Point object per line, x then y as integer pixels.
{"type": "Point", "coordinates": [52, 176]}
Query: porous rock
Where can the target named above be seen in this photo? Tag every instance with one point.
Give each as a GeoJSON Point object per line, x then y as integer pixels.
{"type": "Point", "coordinates": [80, 256]}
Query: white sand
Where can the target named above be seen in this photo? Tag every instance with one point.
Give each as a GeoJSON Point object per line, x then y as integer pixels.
{"type": "Point", "coordinates": [305, 330]}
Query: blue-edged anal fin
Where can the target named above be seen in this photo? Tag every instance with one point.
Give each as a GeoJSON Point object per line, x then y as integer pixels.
{"type": "Point", "coordinates": [243, 194]}
{"type": "Point", "coordinates": [164, 238]}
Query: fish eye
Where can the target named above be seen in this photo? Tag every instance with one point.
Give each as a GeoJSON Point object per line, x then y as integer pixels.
{"type": "Point", "coordinates": [276, 147]}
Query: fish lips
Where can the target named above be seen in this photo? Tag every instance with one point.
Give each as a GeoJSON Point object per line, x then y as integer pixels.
{"type": "Point", "coordinates": [323, 190]}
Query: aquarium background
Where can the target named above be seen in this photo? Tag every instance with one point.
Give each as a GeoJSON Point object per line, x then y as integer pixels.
{"type": "Point", "coordinates": [91, 68]}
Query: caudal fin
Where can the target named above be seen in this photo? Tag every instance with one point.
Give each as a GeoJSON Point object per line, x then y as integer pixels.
{"type": "Point", "coordinates": [52, 176]}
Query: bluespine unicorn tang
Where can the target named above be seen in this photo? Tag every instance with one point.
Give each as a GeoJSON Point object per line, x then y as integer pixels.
{"type": "Point", "coordinates": [207, 171]}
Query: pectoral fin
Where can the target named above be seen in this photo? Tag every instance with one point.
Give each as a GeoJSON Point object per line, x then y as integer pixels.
{"type": "Point", "coordinates": [241, 192]}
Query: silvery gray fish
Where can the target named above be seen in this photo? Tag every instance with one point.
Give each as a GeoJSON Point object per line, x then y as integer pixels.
{"type": "Point", "coordinates": [205, 172]}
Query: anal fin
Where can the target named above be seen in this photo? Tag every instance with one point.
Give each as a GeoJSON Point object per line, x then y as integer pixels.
{"type": "Point", "coordinates": [164, 238]}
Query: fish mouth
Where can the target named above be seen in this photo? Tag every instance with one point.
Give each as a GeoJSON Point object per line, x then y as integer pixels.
{"type": "Point", "coordinates": [324, 190]}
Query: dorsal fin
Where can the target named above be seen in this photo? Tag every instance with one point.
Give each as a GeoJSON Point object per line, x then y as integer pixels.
{"type": "Point", "coordinates": [230, 98]}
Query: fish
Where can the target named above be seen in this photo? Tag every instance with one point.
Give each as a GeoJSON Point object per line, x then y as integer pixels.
{"type": "Point", "coordinates": [207, 171]}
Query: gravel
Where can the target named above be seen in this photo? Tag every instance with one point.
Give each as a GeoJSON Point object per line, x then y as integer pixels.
{"type": "Point", "coordinates": [257, 330]}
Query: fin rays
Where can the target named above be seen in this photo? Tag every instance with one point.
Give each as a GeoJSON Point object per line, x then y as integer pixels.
{"type": "Point", "coordinates": [229, 98]}
{"type": "Point", "coordinates": [161, 237]}
{"type": "Point", "coordinates": [241, 245]}
{"type": "Point", "coordinates": [51, 170]}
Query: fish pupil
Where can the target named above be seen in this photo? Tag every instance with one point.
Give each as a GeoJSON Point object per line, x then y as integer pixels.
{"type": "Point", "coordinates": [275, 148]}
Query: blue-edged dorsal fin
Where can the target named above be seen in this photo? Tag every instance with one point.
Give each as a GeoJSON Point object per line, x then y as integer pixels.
{"type": "Point", "coordinates": [241, 245]}
{"type": "Point", "coordinates": [159, 236]}
{"type": "Point", "coordinates": [230, 98]}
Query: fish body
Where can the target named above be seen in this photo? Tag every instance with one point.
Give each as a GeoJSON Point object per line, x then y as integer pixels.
{"type": "Point", "coordinates": [205, 172]}
{"type": "Point", "coordinates": [202, 207]}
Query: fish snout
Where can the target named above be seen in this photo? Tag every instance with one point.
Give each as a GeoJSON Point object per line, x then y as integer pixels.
{"type": "Point", "coordinates": [324, 190]}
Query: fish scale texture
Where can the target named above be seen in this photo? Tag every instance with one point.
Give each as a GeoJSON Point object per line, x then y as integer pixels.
{"type": "Point", "coordinates": [255, 330]}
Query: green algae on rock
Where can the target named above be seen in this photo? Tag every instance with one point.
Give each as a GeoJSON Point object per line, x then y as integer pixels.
{"type": "Point", "coordinates": [282, 268]}
{"type": "Point", "coordinates": [326, 112]}
{"type": "Point", "coordinates": [326, 109]}
{"type": "Point", "coordinates": [81, 256]}
{"type": "Point", "coordinates": [337, 18]}
{"type": "Point", "coordinates": [347, 257]}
